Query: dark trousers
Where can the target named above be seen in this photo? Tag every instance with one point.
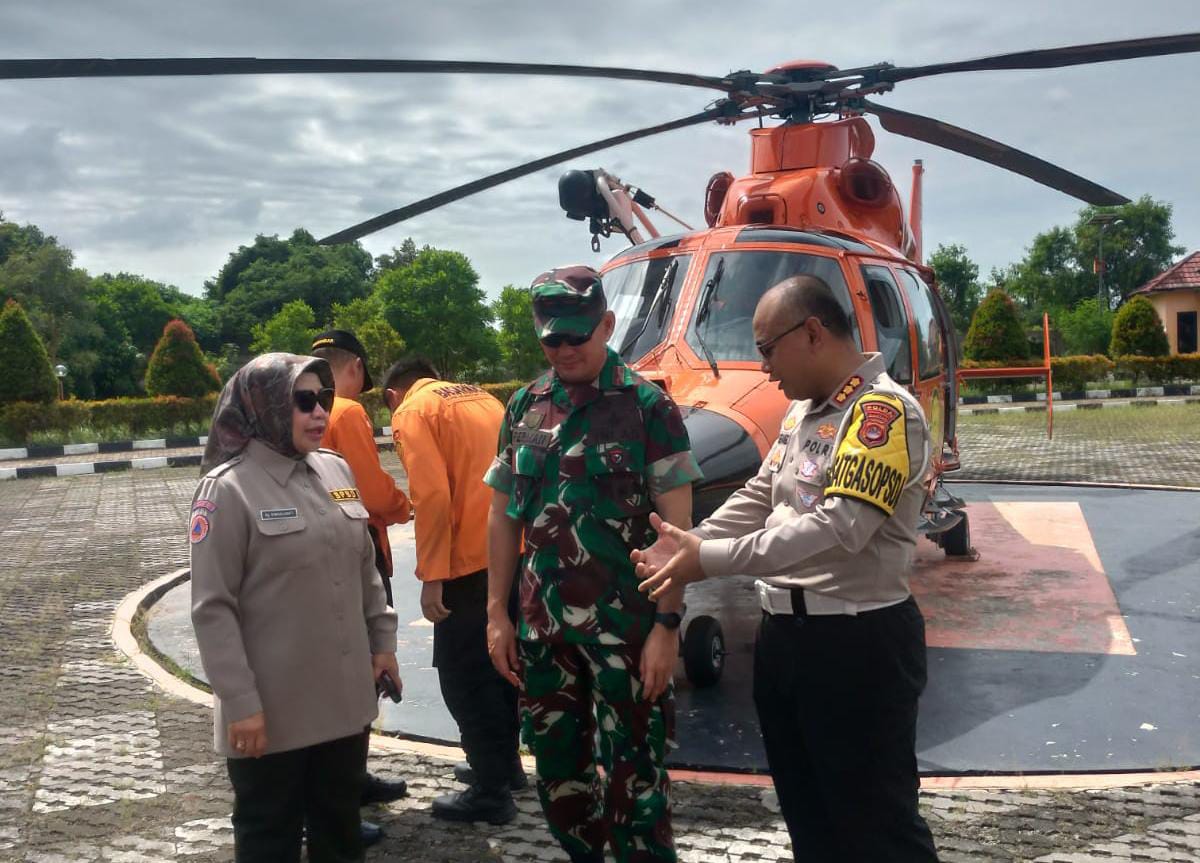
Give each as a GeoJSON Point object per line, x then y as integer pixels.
{"type": "Point", "coordinates": [482, 702]}
{"type": "Point", "coordinates": [837, 704]}
{"type": "Point", "coordinates": [275, 795]}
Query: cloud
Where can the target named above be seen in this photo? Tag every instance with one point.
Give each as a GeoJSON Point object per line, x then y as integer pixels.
{"type": "Point", "coordinates": [169, 176]}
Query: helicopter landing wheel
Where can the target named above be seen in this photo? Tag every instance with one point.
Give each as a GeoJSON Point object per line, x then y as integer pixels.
{"type": "Point", "coordinates": [704, 651]}
{"type": "Point", "coordinates": [956, 542]}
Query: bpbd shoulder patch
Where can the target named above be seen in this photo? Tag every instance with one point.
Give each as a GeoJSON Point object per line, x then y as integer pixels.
{"type": "Point", "coordinates": [871, 463]}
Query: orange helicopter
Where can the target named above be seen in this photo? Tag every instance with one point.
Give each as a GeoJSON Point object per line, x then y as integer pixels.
{"type": "Point", "coordinates": [813, 202]}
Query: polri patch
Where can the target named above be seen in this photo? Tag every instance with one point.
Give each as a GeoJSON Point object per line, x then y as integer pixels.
{"type": "Point", "coordinates": [198, 529]}
{"type": "Point", "coordinates": [875, 473]}
{"type": "Point", "coordinates": [276, 514]}
{"type": "Point", "coordinates": [877, 420]}
{"type": "Point", "coordinates": [343, 494]}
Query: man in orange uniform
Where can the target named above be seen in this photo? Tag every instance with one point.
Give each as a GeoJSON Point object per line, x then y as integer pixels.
{"type": "Point", "coordinates": [446, 436]}
{"type": "Point", "coordinates": [349, 431]}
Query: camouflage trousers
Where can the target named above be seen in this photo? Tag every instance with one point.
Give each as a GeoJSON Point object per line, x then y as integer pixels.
{"type": "Point", "coordinates": [569, 692]}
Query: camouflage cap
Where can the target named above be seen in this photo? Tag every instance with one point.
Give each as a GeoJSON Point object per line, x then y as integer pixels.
{"type": "Point", "coordinates": [568, 300]}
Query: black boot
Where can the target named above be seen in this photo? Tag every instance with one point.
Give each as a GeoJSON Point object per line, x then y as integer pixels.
{"type": "Point", "coordinates": [370, 832]}
{"type": "Point", "coordinates": [464, 773]}
{"type": "Point", "coordinates": [476, 804]}
{"type": "Point", "coordinates": [379, 790]}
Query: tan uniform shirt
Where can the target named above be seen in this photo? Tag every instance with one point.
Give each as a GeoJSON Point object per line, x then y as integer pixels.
{"type": "Point", "coordinates": [286, 602]}
{"type": "Point", "coordinates": [835, 506]}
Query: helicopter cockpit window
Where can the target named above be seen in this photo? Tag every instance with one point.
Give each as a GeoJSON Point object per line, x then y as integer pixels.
{"type": "Point", "coordinates": [734, 282]}
{"type": "Point", "coordinates": [891, 328]}
{"type": "Point", "coordinates": [642, 296]}
{"type": "Point", "coordinates": [929, 331]}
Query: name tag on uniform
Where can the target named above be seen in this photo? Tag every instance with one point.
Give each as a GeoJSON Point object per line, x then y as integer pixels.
{"type": "Point", "coordinates": [532, 437]}
{"type": "Point", "coordinates": [275, 514]}
{"type": "Point", "coordinates": [343, 494]}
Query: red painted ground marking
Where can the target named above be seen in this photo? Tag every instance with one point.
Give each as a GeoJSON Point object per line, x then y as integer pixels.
{"type": "Point", "coordinates": [1038, 585]}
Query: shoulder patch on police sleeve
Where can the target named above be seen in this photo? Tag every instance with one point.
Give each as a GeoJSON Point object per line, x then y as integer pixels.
{"type": "Point", "coordinates": [871, 462]}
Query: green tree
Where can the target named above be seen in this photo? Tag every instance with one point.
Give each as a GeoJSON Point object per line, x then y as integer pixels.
{"type": "Point", "coordinates": [397, 258]}
{"type": "Point", "coordinates": [177, 366]}
{"type": "Point", "coordinates": [1049, 277]}
{"type": "Point", "coordinates": [436, 306]}
{"type": "Point", "coordinates": [364, 318]}
{"type": "Point", "coordinates": [27, 374]}
{"type": "Point", "coordinates": [1137, 331]}
{"type": "Point", "coordinates": [291, 330]}
{"type": "Point", "coordinates": [41, 275]}
{"type": "Point", "coordinates": [1086, 329]}
{"type": "Point", "coordinates": [141, 304]}
{"type": "Point", "coordinates": [996, 332]}
{"type": "Point", "coordinates": [1137, 244]}
{"type": "Point", "coordinates": [258, 280]}
{"type": "Point", "coordinates": [519, 348]}
{"type": "Point", "coordinates": [958, 283]}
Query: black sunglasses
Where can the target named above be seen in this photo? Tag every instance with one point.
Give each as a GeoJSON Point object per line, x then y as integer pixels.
{"type": "Point", "coordinates": [307, 400]}
{"type": "Point", "coordinates": [766, 348]}
{"type": "Point", "coordinates": [557, 340]}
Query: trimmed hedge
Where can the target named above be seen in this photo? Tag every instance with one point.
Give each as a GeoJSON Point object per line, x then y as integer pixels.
{"type": "Point", "coordinates": [18, 420]}
{"type": "Point", "coordinates": [996, 331]}
{"type": "Point", "coordinates": [1159, 370]}
{"type": "Point", "coordinates": [27, 375]}
{"type": "Point", "coordinates": [177, 367]}
{"type": "Point", "coordinates": [1137, 331]}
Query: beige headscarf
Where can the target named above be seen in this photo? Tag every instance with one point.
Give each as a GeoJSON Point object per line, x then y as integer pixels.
{"type": "Point", "coordinates": [257, 403]}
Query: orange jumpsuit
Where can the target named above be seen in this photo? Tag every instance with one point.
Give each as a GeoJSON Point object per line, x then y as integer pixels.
{"type": "Point", "coordinates": [446, 436]}
{"type": "Point", "coordinates": [349, 432]}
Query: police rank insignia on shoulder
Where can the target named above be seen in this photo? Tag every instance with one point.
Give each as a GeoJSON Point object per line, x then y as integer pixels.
{"type": "Point", "coordinates": [871, 463]}
{"type": "Point", "coordinates": [848, 389]}
{"type": "Point", "coordinates": [343, 494]}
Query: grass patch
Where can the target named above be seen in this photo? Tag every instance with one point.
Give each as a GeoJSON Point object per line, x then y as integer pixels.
{"type": "Point", "coordinates": [140, 628]}
{"type": "Point", "coordinates": [1172, 424]}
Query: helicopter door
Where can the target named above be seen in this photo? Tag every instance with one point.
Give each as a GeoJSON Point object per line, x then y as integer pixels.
{"type": "Point", "coordinates": [931, 369]}
{"type": "Point", "coordinates": [891, 326]}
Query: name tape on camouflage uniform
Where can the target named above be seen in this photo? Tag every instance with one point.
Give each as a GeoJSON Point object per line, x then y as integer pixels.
{"type": "Point", "coordinates": [343, 494]}
{"type": "Point", "coordinates": [871, 463]}
{"type": "Point", "coordinates": [531, 437]}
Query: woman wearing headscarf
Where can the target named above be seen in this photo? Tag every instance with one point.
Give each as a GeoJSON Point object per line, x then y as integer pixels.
{"type": "Point", "coordinates": [289, 611]}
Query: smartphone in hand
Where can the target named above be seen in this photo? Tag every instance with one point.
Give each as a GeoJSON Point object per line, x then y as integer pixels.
{"type": "Point", "coordinates": [385, 685]}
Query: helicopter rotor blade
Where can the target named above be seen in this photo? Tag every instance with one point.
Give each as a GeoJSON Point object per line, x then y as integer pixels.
{"type": "Point", "coordinates": [370, 226]}
{"type": "Point", "coordinates": [985, 149]}
{"type": "Point", "coordinates": [160, 67]}
{"type": "Point", "coordinates": [1053, 58]}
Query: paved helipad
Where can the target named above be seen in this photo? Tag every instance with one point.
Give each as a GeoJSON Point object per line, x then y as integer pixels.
{"type": "Point", "coordinates": [99, 764]}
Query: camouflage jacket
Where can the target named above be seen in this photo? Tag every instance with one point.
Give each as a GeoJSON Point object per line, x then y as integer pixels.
{"type": "Point", "coordinates": [581, 466]}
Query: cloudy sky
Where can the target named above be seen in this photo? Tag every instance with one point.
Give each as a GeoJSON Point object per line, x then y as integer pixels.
{"type": "Point", "coordinates": [166, 177]}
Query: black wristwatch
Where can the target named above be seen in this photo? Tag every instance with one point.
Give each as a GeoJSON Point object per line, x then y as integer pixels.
{"type": "Point", "coordinates": [670, 619]}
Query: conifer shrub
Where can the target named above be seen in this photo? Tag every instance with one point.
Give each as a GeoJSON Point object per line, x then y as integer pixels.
{"type": "Point", "coordinates": [1138, 332]}
{"type": "Point", "coordinates": [177, 367]}
{"type": "Point", "coordinates": [25, 372]}
{"type": "Point", "coordinates": [996, 332]}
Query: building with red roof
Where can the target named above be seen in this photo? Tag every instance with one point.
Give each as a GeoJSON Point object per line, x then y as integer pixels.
{"type": "Point", "coordinates": [1175, 293]}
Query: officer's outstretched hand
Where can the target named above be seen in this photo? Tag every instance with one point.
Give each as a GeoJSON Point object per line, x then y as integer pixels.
{"type": "Point", "coordinates": [672, 562]}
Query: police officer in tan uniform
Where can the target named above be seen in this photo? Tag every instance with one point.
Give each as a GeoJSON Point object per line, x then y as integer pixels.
{"type": "Point", "coordinates": [289, 611]}
{"type": "Point", "coordinates": [828, 529]}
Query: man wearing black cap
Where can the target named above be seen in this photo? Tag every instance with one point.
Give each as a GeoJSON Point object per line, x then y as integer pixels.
{"type": "Point", "coordinates": [349, 431]}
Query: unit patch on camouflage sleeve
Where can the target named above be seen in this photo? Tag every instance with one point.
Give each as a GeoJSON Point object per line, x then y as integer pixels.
{"type": "Point", "coordinates": [871, 463]}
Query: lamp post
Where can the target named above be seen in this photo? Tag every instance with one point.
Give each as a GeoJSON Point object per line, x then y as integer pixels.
{"type": "Point", "coordinates": [60, 371]}
{"type": "Point", "coordinates": [1105, 221]}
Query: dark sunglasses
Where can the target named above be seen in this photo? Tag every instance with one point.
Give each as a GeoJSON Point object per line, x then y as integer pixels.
{"type": "Point", "coordinates": [307, 400]}
{"type": "Point", "coordinates": [557, 340]}
{"type": "Point", "coordinates": [767, 347]}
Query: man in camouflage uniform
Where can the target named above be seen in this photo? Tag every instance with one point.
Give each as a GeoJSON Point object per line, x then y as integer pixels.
{"type": "Point", "coordinates": [587, 452]}
{"type": "Point", "coordinates": [829, 526]}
